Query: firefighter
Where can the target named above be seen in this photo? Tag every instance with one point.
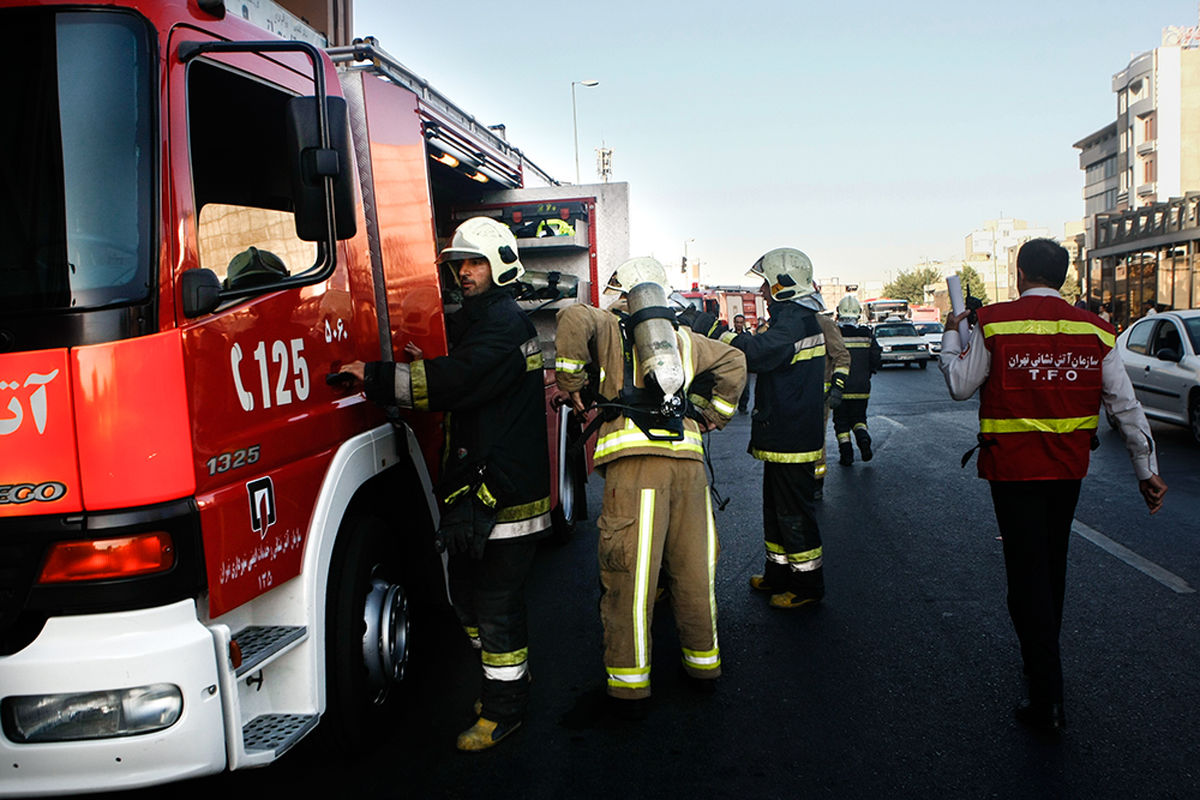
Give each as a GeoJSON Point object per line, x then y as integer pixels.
{"type": "Point", "coordinates": [837, 370]}
{"type": "Point", "coordinates": [787, 430]}
{"type": "Point", "coordinates": [494, 487]}
{"type": "Point", "coordinates": [865, 360]}
{"type": "Point", "coordinates": [656, 510]}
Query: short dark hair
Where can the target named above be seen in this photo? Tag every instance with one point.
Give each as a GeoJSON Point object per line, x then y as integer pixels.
{"type": "Point", "coordinates": [739, 316]}
{"type": "Point", "coordinates": [1044, 261]}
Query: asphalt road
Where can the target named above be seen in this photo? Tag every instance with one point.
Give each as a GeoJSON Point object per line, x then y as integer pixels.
{"type": "Point", "coordinates": [901, 684]}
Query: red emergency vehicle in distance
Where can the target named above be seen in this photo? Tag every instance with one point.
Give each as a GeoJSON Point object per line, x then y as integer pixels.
{"type": "Point", "coordinates": [205, 548]}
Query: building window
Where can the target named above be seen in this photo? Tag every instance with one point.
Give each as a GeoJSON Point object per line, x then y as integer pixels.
{"type": "Point", "coordinates": [1149, 132]}
{"type": "Point", "coordinates": [1149, 170]}
{"type": "Point", "coordinates": [1122, 102]}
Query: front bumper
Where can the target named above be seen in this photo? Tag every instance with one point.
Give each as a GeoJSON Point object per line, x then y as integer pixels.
{"type": "Point", "coordinates": [97, 652]}
{"type": "Point", "coordinates": [904, 356]}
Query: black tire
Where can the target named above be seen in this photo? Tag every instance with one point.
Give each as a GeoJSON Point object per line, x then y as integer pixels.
{"type": "Point", "coordinates": [572, 502]}
{"type": "Point", "coordinates": [1194, 416]}
{"type": "Point", "coordinates": [924, 364]}
{"type": "Point", "coordinates": [363, 692]}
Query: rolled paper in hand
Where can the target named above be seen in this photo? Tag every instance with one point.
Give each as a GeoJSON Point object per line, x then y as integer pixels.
{"type": "Point", "coordinates": [958, 305]}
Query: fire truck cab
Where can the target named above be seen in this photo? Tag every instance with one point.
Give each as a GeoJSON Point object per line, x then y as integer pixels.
{"type": "Point", "coordinates": [205, 546]}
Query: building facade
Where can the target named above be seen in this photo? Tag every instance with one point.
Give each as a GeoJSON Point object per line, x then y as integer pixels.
{"type": "Point", "coordinates": [1141, 171]}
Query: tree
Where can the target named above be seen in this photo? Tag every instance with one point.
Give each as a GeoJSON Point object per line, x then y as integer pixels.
{"type": "Point", "coordinates": [910, 286]}
{"type": "Point", "coordinates": [972, 282]}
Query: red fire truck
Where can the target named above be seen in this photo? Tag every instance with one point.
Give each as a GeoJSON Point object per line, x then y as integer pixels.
{"type": "Point", "coordinates": [205, 547]}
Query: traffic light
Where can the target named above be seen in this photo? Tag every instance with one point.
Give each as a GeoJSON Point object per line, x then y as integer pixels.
{"type": "Point", "coordinates": [683, 265]}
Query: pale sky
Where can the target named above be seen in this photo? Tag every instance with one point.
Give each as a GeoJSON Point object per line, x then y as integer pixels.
{"type": "Point", "coordinates": [871, 135]}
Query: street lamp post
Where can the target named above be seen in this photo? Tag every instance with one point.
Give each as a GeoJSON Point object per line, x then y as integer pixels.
{"type": "Point", "coordinates": [575, 120]}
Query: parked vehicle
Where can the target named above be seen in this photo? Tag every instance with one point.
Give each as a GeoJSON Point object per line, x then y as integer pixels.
{"type": "Point", "coordinates": [206, 546]}
{"type": "Point", "coordinates": [901, 344]}
{"type": "Point", "coordinates": [1161, 353]}
{"type": "Point", "coordinates": [931, 332]}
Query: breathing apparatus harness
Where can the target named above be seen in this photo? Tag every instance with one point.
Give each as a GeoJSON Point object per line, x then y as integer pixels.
{"type": "Point", "coordinates": [659, 417]}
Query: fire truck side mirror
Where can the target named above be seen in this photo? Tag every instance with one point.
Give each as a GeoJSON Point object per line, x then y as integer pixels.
{"type": "Point", "coordinates": [201, 292]}
{"type": "Point", "coordinates": [311, 163]}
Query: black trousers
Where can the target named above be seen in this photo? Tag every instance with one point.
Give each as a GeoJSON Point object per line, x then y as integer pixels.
{"type": "Point", "coordinates": [1035, 521]}
{"type": "Point", "coordinates": [793, 540]}
{"type": "Point", "coordinates": [849, 414]}
{"type": "Point", "coordinates": [489, 598]}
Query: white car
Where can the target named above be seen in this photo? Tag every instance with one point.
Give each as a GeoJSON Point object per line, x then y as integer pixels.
{"type": "Point", "coordinates": [1161, 353]}
{"type": "Point", "coordinates": [931, 332]}
{"type": "Point", "coordinates": [901, 344]}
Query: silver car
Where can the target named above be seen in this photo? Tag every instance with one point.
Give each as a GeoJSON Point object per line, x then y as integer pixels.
{"type": "Point", "coordinates": [901, 344]}
{"type": "Point", "coordinates": [931, 332]}
{"type": "Point", "coordinates": [1161, 353]}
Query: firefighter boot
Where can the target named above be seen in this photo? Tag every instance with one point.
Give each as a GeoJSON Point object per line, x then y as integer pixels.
{"type": "Point", "coordinates": [759, 583]}
{"type": "Point", "coordinates": [847, 454]}
{"type": "Point", "coordinates": [484, 734]}
{"type": "Point", "coordinates": [864, 443]}
{"type": "Point", "coordinates": [792, 600]}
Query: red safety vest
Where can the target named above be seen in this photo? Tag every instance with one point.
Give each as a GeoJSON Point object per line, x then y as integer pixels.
{"type": "Point", "coordinates": [1039, 407]}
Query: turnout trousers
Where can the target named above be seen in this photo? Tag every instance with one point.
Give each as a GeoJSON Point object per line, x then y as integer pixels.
{"type": "Point", "coordinates": [656, 513]}
{"type": "Point", "coordinates": [793, 540]}
{"type": "Point", "coordinates": [850, 416]}
{"type": "Point", "coordinates": [1034, 518]}
{"type": "Point", "coordinates": [489, 598]}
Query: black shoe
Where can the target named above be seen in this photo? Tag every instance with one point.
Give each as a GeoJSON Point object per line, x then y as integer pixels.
{"type": "Point", "coordinates": [819, 492]}
{"type": "Point", "coordinates": [698, 685]}
{"type": "Point", "coordinates": [631, 710]}
{"type": "Point", "coordinates": [864, 445]}
{"type": "Point", "coordinates": [847, 454]}
{"type": "Point", "coordinates": [1043, 717]}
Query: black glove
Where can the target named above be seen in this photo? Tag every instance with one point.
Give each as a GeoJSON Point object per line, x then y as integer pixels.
{"type": "Point", "coordinates": [465, 528]}
{"type": "Point", "coordinates": [687, 316]}
{"type": "Point", "coordinates": [835, 391]}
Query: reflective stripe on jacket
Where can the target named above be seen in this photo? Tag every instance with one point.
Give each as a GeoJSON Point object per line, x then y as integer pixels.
{"type": "Point", "coordinates": [585, 332]}
{"type": "Point", "coordinates": [864, 359]}
{"type": "Point", "coordinates": [1039, 406]}
{"type": "Point", "coordinates": [789, 395]}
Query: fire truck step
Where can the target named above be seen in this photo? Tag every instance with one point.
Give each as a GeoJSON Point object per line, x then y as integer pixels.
{"type": "Point", "coordinates": [276, 732]}
{"type": "Point", "coordinates": [259, 642]}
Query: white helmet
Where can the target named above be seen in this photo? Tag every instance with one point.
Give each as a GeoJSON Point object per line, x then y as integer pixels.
{"type": "Point", "coordinates": [787, 271]}
{"type": "Point", "coordinates": [484, 237]}
{"type": "Point", "coordinates": [849, 308]}
{"type": "Point", "coordinates": [643, 269]}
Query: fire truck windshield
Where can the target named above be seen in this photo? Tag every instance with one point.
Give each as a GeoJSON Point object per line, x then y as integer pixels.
{"type": "Point", "coordinates": [76, 161]}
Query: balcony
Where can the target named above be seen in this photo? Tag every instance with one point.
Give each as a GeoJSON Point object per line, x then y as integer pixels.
{"type": "Point", "coordinates": [1147, 147]}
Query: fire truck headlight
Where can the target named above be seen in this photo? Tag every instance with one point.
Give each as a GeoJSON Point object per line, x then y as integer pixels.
{"type": "Point", "coordinates": [887, 348]}
{"type": "Point", "coordinates": [91, 715]}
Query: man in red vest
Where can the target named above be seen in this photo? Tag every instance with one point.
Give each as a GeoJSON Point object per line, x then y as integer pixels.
{"type": "Point", "coordinates": [1042, 368]}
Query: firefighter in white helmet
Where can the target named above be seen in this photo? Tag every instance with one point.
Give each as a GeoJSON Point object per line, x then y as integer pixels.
{"type": "Point", "coordinates": [837, 370]}
{"type": "Point", "coordinates": [787, 429]}
{"type": "Point", "coordinates": [657, 512]}
{"type": "Point", "coordinates": [494, 486]}
{"type": "Point", "coordinates": [865, 359]}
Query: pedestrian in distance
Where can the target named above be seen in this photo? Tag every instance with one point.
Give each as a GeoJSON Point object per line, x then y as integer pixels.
{"type": "Point", "coordinates": [787, 428]}
{"type": "Point", "coordinates": [1042, 369]}
{"type": "Point", "coordinates": [739, 326]}
{"type": "Point", "coordinates": [850, 418]}
{"type": "Point", "coordinates": [657, 511]}
{"type": "Point", "coordinates": [495, 483]}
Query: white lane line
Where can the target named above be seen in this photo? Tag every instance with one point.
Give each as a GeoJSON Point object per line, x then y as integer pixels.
{"type": "Point", "coordinates": [889, 419]}
{"type": "Point", "coordinates": [1165, 577]}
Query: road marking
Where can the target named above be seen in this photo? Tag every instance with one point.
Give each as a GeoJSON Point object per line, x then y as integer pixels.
{"type": "Point", "coordinates": [1165, 577]}
{"type": "Point", "coordinates": [889, 419]}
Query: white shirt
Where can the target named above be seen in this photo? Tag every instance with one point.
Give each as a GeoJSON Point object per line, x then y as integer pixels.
{"type": "Point", "coordinates": [966, 372]}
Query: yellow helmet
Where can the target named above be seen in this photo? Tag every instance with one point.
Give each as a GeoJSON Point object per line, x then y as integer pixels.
{"type": "Point", "coordinates": [787, 271]}
{"type": "Point", "coordinates": [484, 237]}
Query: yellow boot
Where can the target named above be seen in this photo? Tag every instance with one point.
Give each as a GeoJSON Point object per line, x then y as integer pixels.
{"type": "Point", "coordinates": [484, 734]}
{"type": "Point", "coordinates": [759, 583]}
{"type": "Point", "coordinates": [792, 600]}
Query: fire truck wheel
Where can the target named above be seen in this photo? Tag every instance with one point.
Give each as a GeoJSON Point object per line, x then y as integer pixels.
{"type": "Point", "coordinates": [366, 637]}
{"type": "Point", "coordinates": [571, 498]}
